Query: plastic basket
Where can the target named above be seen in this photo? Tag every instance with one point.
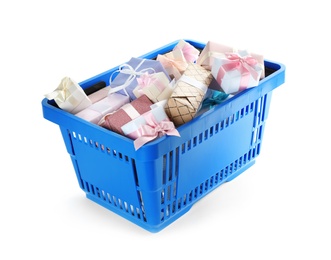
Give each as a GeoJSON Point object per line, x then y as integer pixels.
{"type": "Point", "coordinates": [157, 184]}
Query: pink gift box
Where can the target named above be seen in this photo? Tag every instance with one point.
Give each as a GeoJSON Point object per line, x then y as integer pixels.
{"type": "Point", "coordinates": [108, 104]}
{"type": "Point", "coordinates": [114, 121]}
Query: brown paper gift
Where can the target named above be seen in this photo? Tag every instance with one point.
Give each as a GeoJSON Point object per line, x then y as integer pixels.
{"type": "Point", "coordinates": [114, 121]}
{"type": "Point", "coordinates": [188, 94]}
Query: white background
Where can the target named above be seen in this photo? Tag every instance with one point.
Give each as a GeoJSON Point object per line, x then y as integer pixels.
{"type": "Point", "coordinates": [278, 209]}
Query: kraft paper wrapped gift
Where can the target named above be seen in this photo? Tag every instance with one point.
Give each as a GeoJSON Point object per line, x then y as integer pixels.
{"type": "Point", "coordinates": [190, 53]}
{"type": "Point", "coordinates": [174, 63]}
{"type": "Point", "coordinates": [109, 104]}
{"type": "Point", "coordinates": [214, 50]}
{"type": "Point", "coordinates": [237, 71]}
{"type": "Point", "coordinates": [188, 94]}
{"type": "Point", "coordinates": [70, 96]}
{"type": "Point", "coordinates": [155, 86]}
{"type": "Point", "coordinates": [114, 121]}
{"type": "Point", "coordinates": [149, 126]}
{"type": "Point", "coordinates": [126, 79]}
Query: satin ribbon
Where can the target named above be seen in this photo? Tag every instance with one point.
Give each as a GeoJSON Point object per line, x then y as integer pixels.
{"type": "Point", "coordinates": [153, 129]}
{"type": "Point", "coordinates": [147, 80]}
{"type": "Point", "coordinates": [216, 98]}
{"type": "Point", "coordinates": [133, 73]}
{"type": "Point", "coordinates": [172, 65]}
{"type": "Point", "coordinates": [62, 92]}
{"type": "Point", "coordinates": [243, 64]}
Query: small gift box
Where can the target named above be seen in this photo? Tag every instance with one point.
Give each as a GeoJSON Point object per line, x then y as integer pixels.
{"type": "Point", "coordinates": [190, 53]}
{"type": "Point", "coordinates": [214, 50]}
{"type": "Point", "coordinates": [188, 94]}
{"type": "Point", "coordinates": [155, 86]}
{"type": "Point", "coordinates": [210, 51]}
{"type": "Point", "coordinates": [236, 71]}
{"type": "Point", "coordinates": [70, 96]}
{"type": "Point", "coordinates": [126, 80]}
{"type": "Point", "coordinates": [149, 126]}
{"type": "Point", "coordinates": [174, 63]}
{"type": "Point", "coordinates": [109, 104]}
{"type": "Point", "coordinates": [114, 121]}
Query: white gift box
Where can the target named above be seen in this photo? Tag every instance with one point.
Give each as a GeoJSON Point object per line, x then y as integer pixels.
{"type": "Point", "coordinates": [236, 72]}
{"type": "Point", "coordinates": [70, 96]}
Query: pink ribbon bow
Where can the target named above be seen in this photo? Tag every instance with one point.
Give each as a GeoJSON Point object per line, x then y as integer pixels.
{"type": "Point", "coordinates": [145, 80]}
{"type": "Point", "coordinates": [190, 53]}
{"type": "Point", "coordinates": [154, 129]}
{"type": "Point", "coordinates": [173, 66]}
{"type": "Point", "coordinates": [244, 64]}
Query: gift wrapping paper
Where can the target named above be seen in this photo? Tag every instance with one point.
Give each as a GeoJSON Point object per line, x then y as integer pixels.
{"type": "Point", "coordinates": [188, 94]}
{"type": "Point", "coordinates": [114, 121]}
{"type": "Point", "coordinates": [174, 63]}
{"type": "Point", "coordinates": [69, 96]}
{"type": "Point", "coordinates": [155, 86]}
{"type": "Point", "coordinates": [149, 126]}
{"type": "Point", "coordinates": [190, 53]}
{"type": "Point", "coordinates": [126, 79]}
{"type": "Point", "coordinates": [236, 72]}
{"type": "Point", "coordinates": [109, 104]}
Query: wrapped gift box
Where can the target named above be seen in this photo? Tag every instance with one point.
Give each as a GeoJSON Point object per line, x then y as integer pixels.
{"type": "Point", "coordinates": [126, 79]}
{"type": "Point", "coordinates": [149, 126]}
{"type": "Point", "coordinates": [70, 96]}
{"type": "Point", "coordinates": [188, 94]}
{"type": "Point", "coordinates": [109, 104]}
{"type": "Point", "coordinates": [214, 50]}
{"type": "Point", "coordinates": [155, 86]}
{"type": "Point", "coordinates": [114, 121]}
{"type": "Point", "coordinates": [237, 71]}
{"type": "Point", "coordinates": [174, 63]}
{"type": "Point", "coordinates": [190, 53]}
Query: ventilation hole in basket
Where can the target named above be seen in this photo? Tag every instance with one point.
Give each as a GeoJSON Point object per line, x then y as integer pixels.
{"type": "Point", "coordinates": [132, 210]}
{"type": "Point", "coordinates": [114, 200]}
{"type": "Point", "coordinates": [170, 165]}
{"type": "Point", "coordinates": [162, 196]}
{"type": "Point", "coordinates": [196, 191]}
{"type": "Point", "coordinates": [96, 144]}
{"type": "Point", "coordinates": [211, 131]}
{"type": "Point", "coordinates": [74, 134]}
{"type": "Point", "coordinates": [102, 147]}
{"type": "Point", "coordinates": [206, 134]}
{"type": "Point", "coordinates": [164, 169]}
{"type": "Point", "coordinates": [173, 206]}
{"type": "Point", "coordinates": [97, 192]}
{"type": "Point", "coordinates": [183, 148]}
{"type": "Point", "coordinates": [189, 145]}
{"type": "Point", "coordinates": [194, 141]}
{"type": "Point", "coordinates": [184, 200]}
{"type": "Point", "coordinates": [109, 198]}
{"type": "Point", "coordinates": [174, 190]}
{"type": "Point", "coordinates": [211, 181]}
{"type": "Point", "coordinates": [87, 186]}
{"type": "Point", "coordinates": [126, 208]}
{"type": "Point", "coordinates": [162, 215]}
{"type": "Point", "coordinates": [179, 203]}
{"type": "Point", "coordinates": [190, 195]}
{"type": "Point", "coordinates": [168, 192]}
{"type": "Point", "coordinates": [114, 153]}
{"type": "Point", "coordinates": [216, 178]}
{"type": "Point", "coordinates": [108, 150]}
{"type": "Point", "coordinates": [168, 210]}
{"type": "Point", "coordinates": [135, 174]}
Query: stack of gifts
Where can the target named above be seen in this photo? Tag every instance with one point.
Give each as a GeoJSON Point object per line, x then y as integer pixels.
{"type": "Point", "coordinates": [149, 98]}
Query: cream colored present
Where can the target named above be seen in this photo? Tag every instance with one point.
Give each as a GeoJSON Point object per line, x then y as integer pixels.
{"type": "Point", "coordinates": [70, 96]}
{"type": "Point", "coordinates": [155, 86]}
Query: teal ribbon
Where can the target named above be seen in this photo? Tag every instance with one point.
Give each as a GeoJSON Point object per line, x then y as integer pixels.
{"type": "Point", "coordinates": [216, 98]}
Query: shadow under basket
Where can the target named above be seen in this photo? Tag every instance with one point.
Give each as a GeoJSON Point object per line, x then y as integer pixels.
{"type": "Point", "coordinates": [157, 184]}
